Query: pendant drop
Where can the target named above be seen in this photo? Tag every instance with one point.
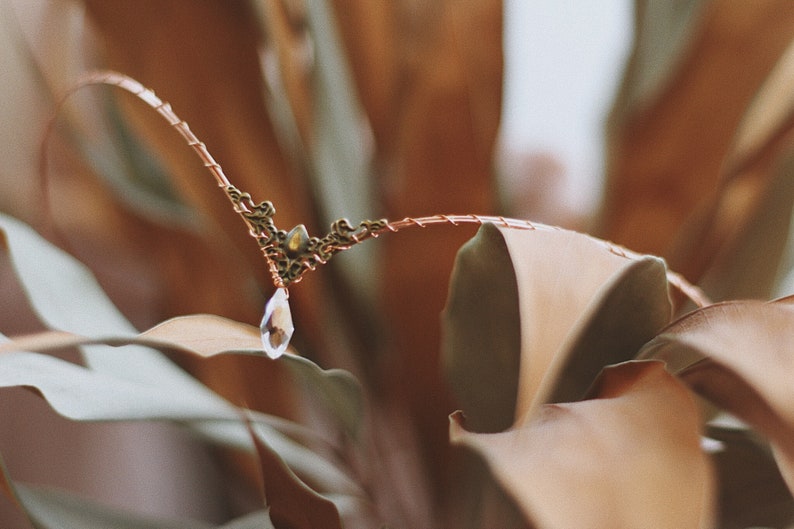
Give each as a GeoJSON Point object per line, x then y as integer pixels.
{"type": "Point", "coordinates": [277, 324]}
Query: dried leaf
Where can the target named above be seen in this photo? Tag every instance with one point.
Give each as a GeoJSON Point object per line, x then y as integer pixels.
{"type": "Point", "coordinates": [767, 116]}
{"type": "Point", "coordinates": [738, 355]}
{"type": "Point", "coordinates": [748, 226]}
{"type": "Point", "coordinates": [435, 115]}
{"type": "Point", "coordinates": [217, 47]}
{"type": "Point", "coordinates": [627, 457]}
{"type": "Point", "coordinates": [312, 467]}
{"type": "Point", "coordinates": [290, 502]}
{"type": "Point", "coordinates": [208, 336]}
{"type": "Point", "coordinates": [211, 336]}
{"type": "Point", "coordinates": [51, 509]}
{"type": "Point", "coordinates": [85, 395]}
{"type": "Point", "coordinates": [664, 170]}
{"type": "Point", "coordinates": [482, 334]}
{"type": "Point", "coordinates": [751, 239]}
{"type": "Point", "coordinates": [751, 491]}
{"type": "Point", "coordinates": [214, 46]}
{"type": "Point", "coordinates": [528, 323]}
{"type": "Point", "coordinates": [308, 72]}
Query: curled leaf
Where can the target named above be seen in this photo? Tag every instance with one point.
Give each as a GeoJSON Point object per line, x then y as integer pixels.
{"type": "Point", "coordinates": [739, 356]}
{"type": "Point", "coordinates": [534, 315]}
{"type": "Point", "coordinates": [629, 456]}
{"type": "Point", "coordinates": [290, 502]}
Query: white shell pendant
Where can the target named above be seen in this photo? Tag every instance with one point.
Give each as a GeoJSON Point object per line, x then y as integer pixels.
{"type": "Point", "coordinates": [277, 327]}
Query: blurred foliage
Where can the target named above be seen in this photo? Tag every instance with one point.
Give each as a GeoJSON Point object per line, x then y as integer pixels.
{"type": "Point", "coordinates": [333, 108]}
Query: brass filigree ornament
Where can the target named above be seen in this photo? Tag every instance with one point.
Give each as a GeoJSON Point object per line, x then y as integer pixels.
{"type": "Point", "coordinates": [290, 254]}
{"type": "Point", "coordinates": [294, 252]}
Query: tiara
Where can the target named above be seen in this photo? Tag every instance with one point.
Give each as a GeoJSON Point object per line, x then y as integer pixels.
{"type": "Point", "coordinates": [291, 253]}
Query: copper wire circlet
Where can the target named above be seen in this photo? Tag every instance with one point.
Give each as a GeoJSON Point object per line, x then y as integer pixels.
{"type": "Point", "coordinates": [289, 254]}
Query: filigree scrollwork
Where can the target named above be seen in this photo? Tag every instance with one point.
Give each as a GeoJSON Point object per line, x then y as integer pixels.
{"type": "Point", "coordinates": [295, 256]}
{"type": "Point", "coordinates": [258, 216]}
{"type": "Point", "coordinates": [293, 253]}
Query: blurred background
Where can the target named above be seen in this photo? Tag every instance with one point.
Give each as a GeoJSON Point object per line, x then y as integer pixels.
{"type": "Point", "coordinates": [664, 126]}
{"type": "Point", "coordinates": [563, 64]}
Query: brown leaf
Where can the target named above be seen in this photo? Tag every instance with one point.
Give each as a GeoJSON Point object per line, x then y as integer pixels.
{"type": "Point", "coordinates": [533, 316]}
{"type": "Point", "coordinates": [555, 296]}
{"type": "Point", "coordinates": [482, 332]}
{"type": "Point", "coordinates": [737, 244]}
{"type": "Point", "coordinates": [749, 223]}
{"type": "Point", "coordinates": [739, 356]}
{"type": "Point", "coordinates": [206, 334]}
{"type": "Point", "coordinates": [751, 491]}
{"type": "Point", "coordinates": [291, 503]}
{"type": "Point", "coordinates": [666, 156]}
{"type": "Point", "coordinates": [523, 298]}
{"type": "Point", "coordinates": [288, 48]}
{"type": "Point", "coordinates": [214, 341]}
{"type": "Point", "coordinates": [433, 98]}
{"type": "Point", "coordinates": [768, 115]}
{"type": "Point", "coordinates": [204, 60]}
{"type": "Point", "coordinates": [628, 457]}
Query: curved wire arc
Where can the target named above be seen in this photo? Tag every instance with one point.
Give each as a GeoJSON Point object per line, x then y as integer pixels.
{"type": "Point", "coordinates": [287, 264]}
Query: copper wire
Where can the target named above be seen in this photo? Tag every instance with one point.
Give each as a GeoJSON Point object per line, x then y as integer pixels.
{"type": "Point", "coordinates": [164, 109]}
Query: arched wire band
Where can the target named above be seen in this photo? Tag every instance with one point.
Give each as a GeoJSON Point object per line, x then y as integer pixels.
{"type": "Point", "coordinates": [243, 207]}
{"type": "Point", "coordinates": [289, 256]}
{"type": "Point", "coordinates": [676, 280]}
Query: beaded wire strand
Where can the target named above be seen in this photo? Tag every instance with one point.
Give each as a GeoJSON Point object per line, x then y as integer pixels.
{"type": "Point", "coordinates": [289, 254]}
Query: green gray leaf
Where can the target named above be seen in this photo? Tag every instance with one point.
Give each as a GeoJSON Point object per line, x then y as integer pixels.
{"type": "Point", "coordinates": [534, 315]}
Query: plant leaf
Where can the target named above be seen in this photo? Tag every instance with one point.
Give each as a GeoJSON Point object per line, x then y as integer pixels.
{"type": "Point", "coordinates": [54, 509]}
{"type": "Point", "coordinates": [207, 336]}
{"type": "Point", "coordinates": [768, 113]}
{"type": "Point", "coordinates": [85, 395]}
{"type": "Point", "coordinates": [664, 172]}
{"type": "Point", "coordinates": [341, 150]}
{"type": "Point", "coordinates": [433, 157]}
{"type": "Point", "coordinates": [53, 280]}
{"type": "Point", "coordinates": [738, 355]}
{"type": "Point", "coordinates": [290, 502]}
{"type": "Point", "coordinates": [752, 492]}
{"type": "Point", "coordinates": [533, 316]}
{"type": "Point", "coordinates": [663, 36]}
{"type": "Point", "coordinates": [323, 475]}
{"type": "Point", "coordinates": [49, 509]}
{"type": "Point", "coordinates": [750, 221]}
{"type": "Point", "coordinates": [482, 332]}
{"type": "Point", "coordinates": [627, 457]}
{"type": "Point", "coordinates": [255, 520]}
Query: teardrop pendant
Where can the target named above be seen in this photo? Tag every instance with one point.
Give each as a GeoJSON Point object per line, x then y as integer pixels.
{"type": "Point", "coordinates": [277, 327]}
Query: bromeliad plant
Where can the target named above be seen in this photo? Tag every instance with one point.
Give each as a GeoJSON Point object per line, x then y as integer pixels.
{"type": "Point", "coordinates": [579, 387]}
